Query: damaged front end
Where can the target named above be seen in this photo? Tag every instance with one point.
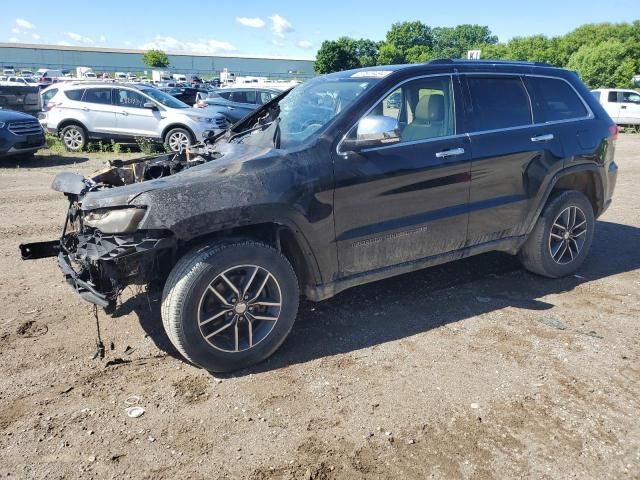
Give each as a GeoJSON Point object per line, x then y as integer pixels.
{"type": "Point", "coordinates": [101, 251]}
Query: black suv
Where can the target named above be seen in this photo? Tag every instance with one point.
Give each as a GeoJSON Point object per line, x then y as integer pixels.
{"type": "Point", "coordinates": [331, 185]}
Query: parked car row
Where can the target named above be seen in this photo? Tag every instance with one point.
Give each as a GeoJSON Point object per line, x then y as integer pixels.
{"type": "Point", "coordinates": [236, 103]}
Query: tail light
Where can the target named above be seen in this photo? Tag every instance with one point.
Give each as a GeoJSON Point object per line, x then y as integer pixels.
{"type": "Point", "coordinates": [613, 132]}
{"type": "Point", "coordinates": [51, 105]}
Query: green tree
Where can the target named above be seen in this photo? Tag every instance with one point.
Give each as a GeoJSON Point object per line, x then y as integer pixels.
{"type": "Point", "coordinates": [535, 48]}
{"type": "Point", "coordinates": [334, 56]}
{"type": "Point", "coordinates": [390, 55]}
{"type": "Point", "coordinates": [497, 51]}
{"type": "Point", "coordinates": [607, 64]}
{"type": "Point", "coordinates": [155, 59]}
{"type": "Point", "coordinates": [454, 42]}
{"type": "Point", "coordinates": [418, 54]}
{"type": "Point", "coordinates": [367, 52]}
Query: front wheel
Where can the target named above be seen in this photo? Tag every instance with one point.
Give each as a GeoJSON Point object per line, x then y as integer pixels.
{"type": "Point", "coordinates": [178, 139]}
{"type": "Point", "coordinates": [230, 305]}
{"type": "Point", "coordinates": [562, 236]}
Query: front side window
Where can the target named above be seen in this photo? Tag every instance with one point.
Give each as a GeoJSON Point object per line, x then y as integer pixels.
{"type": "Point", "coordinates": [631, 97]}
{"type": "Point", "coordinates": [129, 98]}
{"type": "Point", "coordinates": [423, 108]}
{"type": "Point", "coordinates": [555, 100]}
{"type": "Point", "coordinates": [98, 95]}
{"type": "Point", "coordinates": [498, 102]}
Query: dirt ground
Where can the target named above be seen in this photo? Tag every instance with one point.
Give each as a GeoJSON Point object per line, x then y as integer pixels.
{"type": "Point", "coordinates": [475, 369]}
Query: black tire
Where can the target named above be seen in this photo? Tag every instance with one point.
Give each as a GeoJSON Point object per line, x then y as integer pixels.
{"type": "Point", "coordinates": [537, 254]}
{"type": "Point", "coordinates": [187, 292]}
{"type": "Point", "coordinates": [176, 137]}
{"type": "Point", "coordinates": [74, 137]}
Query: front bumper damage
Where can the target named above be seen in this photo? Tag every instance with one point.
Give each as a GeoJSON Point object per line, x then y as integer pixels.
{"type": "Point", "coordinates": [99, 266]}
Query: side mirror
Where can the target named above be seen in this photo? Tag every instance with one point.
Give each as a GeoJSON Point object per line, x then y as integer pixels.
{"type": "Point", "coordinates": [372, 131]}
{"type": "Point", "coordinates": [150, 106]}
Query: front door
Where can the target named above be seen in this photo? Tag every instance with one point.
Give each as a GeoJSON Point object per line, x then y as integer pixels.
{"type": "Point", "coordinates": [132, 119]}
{"type": "Point", "coordinates": [406, 201]}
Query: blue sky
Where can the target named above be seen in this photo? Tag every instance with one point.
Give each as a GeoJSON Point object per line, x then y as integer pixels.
{"type": "Point", "coordinates": [284, 27]}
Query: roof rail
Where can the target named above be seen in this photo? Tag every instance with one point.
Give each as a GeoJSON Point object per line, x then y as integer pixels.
{"type": "Point", "coordinates": [444, 61]}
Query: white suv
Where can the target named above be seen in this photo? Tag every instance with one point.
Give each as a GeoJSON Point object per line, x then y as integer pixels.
{"type": "Point", "coordinates": [79, 112]}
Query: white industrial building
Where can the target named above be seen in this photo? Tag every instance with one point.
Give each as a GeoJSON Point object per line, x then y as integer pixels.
{"type": "Point", "coordinates": [32, 57]}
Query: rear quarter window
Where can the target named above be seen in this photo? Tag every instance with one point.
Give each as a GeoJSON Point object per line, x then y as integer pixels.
{"type": "Point", "coordinates": [554, 100]}
{"type": "Point", "coordinates": [75, 95]}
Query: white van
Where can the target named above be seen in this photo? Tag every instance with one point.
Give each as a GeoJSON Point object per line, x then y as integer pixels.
{"type": "Point", "coordinates": [46, 75]}
{"type": "Point", "coordinates": [623, 106]}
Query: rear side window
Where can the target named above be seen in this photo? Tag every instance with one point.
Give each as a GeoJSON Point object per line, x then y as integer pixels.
{"type": "Point", "coordinates": [555, 100]}
{"type": "Point", "coordinates": [613, 97]}
{"type": "Point", "coordinates": [98, 95]}
{"type": "Point", "coordinates": [498, 102]}
{"type": "Point", "coordinates": [74, 94]}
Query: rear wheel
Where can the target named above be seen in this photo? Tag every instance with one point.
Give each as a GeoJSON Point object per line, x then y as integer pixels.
{"type": "Point", "coordinates": [562, 236]}
{"type": "Point", "coordinates": [74, 138]}
{"type": "Point", "coordinates": [229, 305]}
{"type": "Point", "coordinates": [178, 139]}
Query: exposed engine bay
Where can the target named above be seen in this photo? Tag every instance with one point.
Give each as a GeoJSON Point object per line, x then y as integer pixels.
{"type": "Point", "coordinates": [125, 172]}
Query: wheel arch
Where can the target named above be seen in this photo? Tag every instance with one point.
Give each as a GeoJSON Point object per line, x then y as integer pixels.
{"type": "Point", "coordinates": [283, 235]}
{"type": "Point", "coordinates": [72, 121]}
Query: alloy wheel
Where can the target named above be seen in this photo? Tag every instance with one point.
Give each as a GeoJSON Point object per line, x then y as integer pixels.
{"type": "Point", "coordinates": [72, 138]}
{"type": "Point", "coordinates": [178, 141]}
{"type": "Point", "coordinates": [239, 308]}
{"type": "Point", "coordinates": [567, 235]}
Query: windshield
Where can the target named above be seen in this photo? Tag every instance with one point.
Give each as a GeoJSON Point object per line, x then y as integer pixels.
{"type": "Point", "coordinates": [307, 110]}
{"type": "Point", "coordinates": [164, 98]}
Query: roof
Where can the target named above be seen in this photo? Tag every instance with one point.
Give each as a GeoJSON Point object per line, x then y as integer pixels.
{"type": "Point", "coordinates": [38, 46]}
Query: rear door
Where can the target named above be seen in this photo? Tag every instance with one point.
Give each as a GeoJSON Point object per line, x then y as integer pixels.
{"type": "Point", "coordinates": [99, 110]}
{"type": "Point", "coordinates": [611, 104]}
{"type": "Point", "coordinates": [132, 119]}
{"type": "Point", "coordinates": [508, 151]}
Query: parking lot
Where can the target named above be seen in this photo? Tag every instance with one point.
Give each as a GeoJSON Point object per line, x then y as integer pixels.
{"type": "Point", "coordinates": [475, 369]}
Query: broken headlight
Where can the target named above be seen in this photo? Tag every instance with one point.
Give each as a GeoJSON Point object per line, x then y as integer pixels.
{"type": "Point", "coordinates": [121, 220]}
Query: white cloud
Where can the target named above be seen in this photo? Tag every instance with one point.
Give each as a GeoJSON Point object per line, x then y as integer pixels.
{"type": "Point", "coordinates": [277, 42]}
{"type": "Point", "coordinates": [202, 46]}
{"type": "Point", "coordinates": [79, 38]}
{"type": "Point", "coordinates": [15, 30]}
{"type": "Point", "coordinates": [63, 43]}
{"type": "Point", "coordinates": [280, 25]}
{"type": "Point", "coordinates": [127, 43]}
{"type": "Point", "coordinates": [35, 36]}
{"type": "Point", "coordinates": [102, 39]}
{"type": "Point", "coordinates": [306, 44]}
{"type": "Point", "coordinates": [253, 22]}
{"type": "Point", "coordinates": [13, 40]}
{"type": "Point", "coordinates": [22, 23]}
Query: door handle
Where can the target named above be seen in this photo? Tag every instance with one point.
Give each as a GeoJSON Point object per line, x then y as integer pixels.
{"type": "Point", "coordinates": [542, 138]}
{"type": "Point", "coordinates": [623, 107]}
{"type": "Point", "coordinates": [231, 108]}
{"type": "Point", "coordinates": [123, 112]}
{"type": "Point", "coordinates": [452, 152]}
{"type": "Point", "coordinates": [86, 109]}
